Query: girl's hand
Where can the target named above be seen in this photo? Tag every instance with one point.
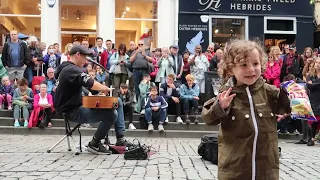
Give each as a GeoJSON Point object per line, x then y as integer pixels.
{"type": "Point", "coordinates": [225, 98]}
{"type": "Point", "coordinates": [280, 117]}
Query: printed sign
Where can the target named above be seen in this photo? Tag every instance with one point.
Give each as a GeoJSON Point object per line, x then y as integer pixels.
{"type": "Point", "coordinates": [272, 7]}
{"type": "Point", "coordinates": [51, 3]}
{"type": "Point", "coordinates": [192, 32]}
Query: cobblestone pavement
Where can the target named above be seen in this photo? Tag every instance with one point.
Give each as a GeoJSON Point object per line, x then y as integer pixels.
{"type": "Point", "coordinates": [24, 157]}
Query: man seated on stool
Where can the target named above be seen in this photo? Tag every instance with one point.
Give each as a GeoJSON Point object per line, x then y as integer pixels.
{"type": "Point", "coordinates": [170, 92]}
{"type": "Point", "coordinates": [156, 108]}
{"type": "Point", "coordinates": [71, 78]}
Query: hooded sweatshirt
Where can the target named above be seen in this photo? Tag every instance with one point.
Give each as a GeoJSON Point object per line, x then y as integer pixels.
{"type": "Point", "coordinates": [70, 78]}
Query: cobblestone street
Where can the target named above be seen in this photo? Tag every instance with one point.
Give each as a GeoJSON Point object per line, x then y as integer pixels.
{"type": "Point", "coordinates": [24, 157]}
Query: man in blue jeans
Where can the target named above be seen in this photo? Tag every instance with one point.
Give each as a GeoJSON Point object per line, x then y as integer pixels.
{"type": "Point", "coordinates": [68, 100]}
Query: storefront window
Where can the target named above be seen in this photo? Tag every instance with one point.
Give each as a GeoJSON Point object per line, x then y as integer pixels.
{"type": "Point", "coordinates": [225, 29]}
{"type": "Point", "coordinates": [127, 31]}
{"type": "Point", "coordinates": [27, 7]}
{"type": "Point", "coordinates": [78, 17]}
{"type": "Point", "coordinates": [136, 19]}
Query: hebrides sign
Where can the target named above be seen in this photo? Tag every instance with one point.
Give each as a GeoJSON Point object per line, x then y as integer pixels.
{"type": "Point", "coordinates": [272, 7]}
{"type": "Point", "coordinates": [51, 3]}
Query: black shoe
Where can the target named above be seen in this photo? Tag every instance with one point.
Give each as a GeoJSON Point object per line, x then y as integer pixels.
{"type": "Point", "coordinates": [106, 141]}
{"type": "Point", "coordinates": [121, 142]}
{"type": "Point", "coordinates": [310, 143]}
{"type": "Point", "coordinates": [98, 149]}
{"type": "Point", "coordinates": [302, 141]}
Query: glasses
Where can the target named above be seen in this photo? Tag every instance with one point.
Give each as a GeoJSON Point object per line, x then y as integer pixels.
{"type": "Point", "coordinates": [140, 44]}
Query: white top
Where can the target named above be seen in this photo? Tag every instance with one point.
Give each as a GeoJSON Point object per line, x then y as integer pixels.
{"type": "Point", "coordinates": [43, 101]}
{"type": "Point", "coordinates": [64, 58]}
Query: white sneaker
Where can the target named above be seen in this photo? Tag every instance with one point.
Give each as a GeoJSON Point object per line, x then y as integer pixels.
{"type": "Point", "coordinates": [143, 111]}
{"type": "Point", "coordinates": [160, 128]}
{"type": "Point", "coordinates": [167, 120]}
{"type": "Point", "coordinates": [150, 127]}
{"type": "Point", "coordinates": [179, 120]}
{"type": "Point", "coordinates": [131, 126]}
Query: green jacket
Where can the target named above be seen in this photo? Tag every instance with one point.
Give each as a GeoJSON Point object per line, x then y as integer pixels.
{"type": "Point", "coordinates": [3, 70]}
{"type": "Point", "coordinates": [246, 127]}
{"type": "Point", "coordinates": [144, 90]}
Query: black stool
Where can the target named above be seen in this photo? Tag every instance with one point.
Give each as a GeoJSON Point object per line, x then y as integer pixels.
{"type": "Point", "coordinates": [68, 135]}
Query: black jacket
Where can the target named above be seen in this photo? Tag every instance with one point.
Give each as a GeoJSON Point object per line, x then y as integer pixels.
{"type": "Point", "coordinates": [6, 54]}
{"type": "Point", "coordinates": [175, 92]}
{"type": "Point", "coordinates": [314, 94]}
{"type": "Point", "coordinates": [70, 78]}
{"type": "Point", "coordinates": [126, 99]}
{"type": "Point", "coordinates": [34, 52]}
{"type": "Point", "coordinates": [295, 69]}
{"type": "Point", "coordinates": [179, 65]}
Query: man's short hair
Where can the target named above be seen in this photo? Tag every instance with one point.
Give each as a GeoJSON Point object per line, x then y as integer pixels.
{"type": "Point", "coordinates": [124, 86]}
{"type": "Point", "coordinates": [154, 87]}
{"type": "Point", "coordinates": [55, 44]}
{"type": "Point", "coordinates": [23, 82]}
{"type": "Point", "coordinates": [108, 40]}
{"type": "Point", "coordinates": [172, 76]}
{"type": "Point", "coordinates": [289, 77]}
{"type": "Point", "coordinates": [99, 38]}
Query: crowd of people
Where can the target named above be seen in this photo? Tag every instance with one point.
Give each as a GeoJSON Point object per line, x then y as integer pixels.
{"type": "Point", "coordinates": [147, 81]}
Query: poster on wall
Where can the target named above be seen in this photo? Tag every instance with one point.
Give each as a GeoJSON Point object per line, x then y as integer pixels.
{"type": "Point", "coordinates": [192, 31]}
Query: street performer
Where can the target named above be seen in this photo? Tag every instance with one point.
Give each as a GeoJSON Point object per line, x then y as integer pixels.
{"type": "Point", "coordinates": [71, 79]}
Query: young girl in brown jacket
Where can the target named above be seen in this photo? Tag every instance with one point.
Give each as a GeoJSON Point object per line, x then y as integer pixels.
{"type": "Point", "coordinates": [246, 109]}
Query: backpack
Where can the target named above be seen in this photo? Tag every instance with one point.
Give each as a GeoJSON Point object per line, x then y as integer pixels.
{"type": "Point", "coordinates": [208, 148]}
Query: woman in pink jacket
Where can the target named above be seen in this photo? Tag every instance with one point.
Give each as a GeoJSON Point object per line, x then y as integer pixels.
{"type": "Point", "coordinates": [43, 109]}
{"type": "Point", "coordinates": [273, 70]}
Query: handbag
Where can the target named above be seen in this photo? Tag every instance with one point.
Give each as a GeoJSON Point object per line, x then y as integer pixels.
{"type": "Point", "coordinates": [150, 67]}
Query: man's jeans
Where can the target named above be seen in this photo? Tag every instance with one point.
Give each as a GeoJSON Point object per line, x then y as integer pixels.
{"type": "Point", "coordinates": [119, 125]}
{"type": "Point", "coordinates": [85, 115]}
{"type": "Point", "coordinates": [29, 74]}
{"type": "Point", "coordinates": [137, 75]}
{"type": "Point", "coordinates": [161, 114]}
{"type": "Point", "coordinates": [188, 104]}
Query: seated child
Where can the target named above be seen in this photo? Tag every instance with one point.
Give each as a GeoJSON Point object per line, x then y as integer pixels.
{"type": "Point", "coordinates": [189, 93]}
{"type": "Point", "coordinates": [6, 93]}
{"type": "Point", "coordinates": [124, 95]}
{"type": "Point", "coordinates": [22, 98]}
{"type": "Point", "coordinates": [144, 88]}
{"type": "Point", "coordinates": [246, 109]}
{"type": "Point", "coordinates": [171, 93]}
{"type": "Point", "coordinates": [155, 109]}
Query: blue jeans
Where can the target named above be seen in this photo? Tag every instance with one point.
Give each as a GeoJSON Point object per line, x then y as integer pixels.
{"type": "Point", "coordinates": [29, 74]}
{"type": "Point", "coordinates": [119, 125]}
{"type": "Point", "coordinates": [161, 115]}
{"type": "Point", "coordinates": [137, 76]}
{"type": "Point", "coordinates": [188, 104]}
{"type": "Point", "coordinates": [106, 118]}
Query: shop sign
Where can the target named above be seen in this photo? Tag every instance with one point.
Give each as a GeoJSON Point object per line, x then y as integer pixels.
{"type": "Point", "coordinates": [51, 3]}
{"type": "Point", "coordinates": [192, 32]}
{"type": "Point", "coordinates": [272, 7]}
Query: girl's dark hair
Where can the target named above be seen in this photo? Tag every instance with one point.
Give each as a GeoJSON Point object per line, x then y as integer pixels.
{"type": "Point", "coordinates": [122, 47]}
{"type": "Point", "coordinates": [23, 82]}
{"type": "Point", "coordinates": [158, 50]}
{"type": "Point", "coordinates": [186, 52]}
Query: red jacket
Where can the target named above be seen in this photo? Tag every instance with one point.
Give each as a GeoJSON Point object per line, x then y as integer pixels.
{"type": "Point", "coordinates": [104, 57]}
{"type": "Point", "coordinates": [272, 73]}
{"type": "Point", "coordinates": [34, 117]}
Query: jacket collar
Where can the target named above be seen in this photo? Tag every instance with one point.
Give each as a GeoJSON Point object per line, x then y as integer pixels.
{"type": "Point", "coordinates": [238, 89]}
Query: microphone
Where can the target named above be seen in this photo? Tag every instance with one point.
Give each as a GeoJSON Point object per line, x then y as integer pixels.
{"type": "Point", "coordinates": [96, 63]}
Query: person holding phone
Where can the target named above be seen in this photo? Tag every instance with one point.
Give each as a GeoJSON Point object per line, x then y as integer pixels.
{"type": "Point", "coordinates": [140, 60]}
{"type": "Point", "coordinates": [198, 65]}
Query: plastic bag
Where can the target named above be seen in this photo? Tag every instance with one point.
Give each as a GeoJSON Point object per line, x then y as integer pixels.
{"type": "Point", "coordinates": [299, 101]}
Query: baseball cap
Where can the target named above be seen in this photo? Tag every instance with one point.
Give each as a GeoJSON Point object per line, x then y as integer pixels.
{"type": "Point", "coordinates": [81, 49]}
{"type": "Point", "coordinates": [175, 46]}
{"type": "Point", "coordinates": [292, 47]}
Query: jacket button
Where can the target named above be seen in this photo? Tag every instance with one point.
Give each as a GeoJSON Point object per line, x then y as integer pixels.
{"type": "Point", "coordinates": [233, 118]}
{"type": "Point", "coordinates": [247, 116]}
{"type": "Point", "coordinates": [260, 114]}
{"type": "Point", "coordinates": [271, 114]}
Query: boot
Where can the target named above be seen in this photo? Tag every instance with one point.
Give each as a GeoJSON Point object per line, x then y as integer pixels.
{"type": "Point", "coordinates": [196, 121]}
{"type": "Point", "coordinates": [187, 118]}
{"type": "Point", "coordinates": [121, 142]}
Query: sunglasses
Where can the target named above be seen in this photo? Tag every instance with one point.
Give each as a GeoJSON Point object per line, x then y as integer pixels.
{"type": "Point", "coordinates": [140, 44]}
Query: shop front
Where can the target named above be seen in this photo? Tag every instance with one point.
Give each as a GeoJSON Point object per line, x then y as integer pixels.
{"type": "Point", "coordinates": [274, 22]}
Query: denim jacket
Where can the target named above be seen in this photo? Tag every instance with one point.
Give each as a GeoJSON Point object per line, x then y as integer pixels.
{"type": "Point", "coordinates": [189, 93]}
